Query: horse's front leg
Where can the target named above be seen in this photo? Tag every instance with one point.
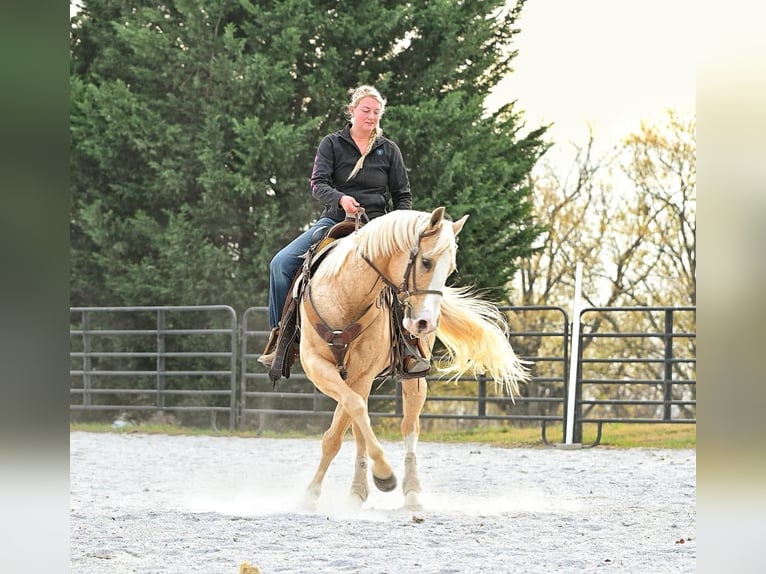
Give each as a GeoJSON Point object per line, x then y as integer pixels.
{"type": "Point", "coordinates": [414, 397]}
{"type": "Point", "coordinates": [327, 380]}
{"type": "Point", "coordinates": [359, 486]}
{"type": "Point", "coordinates": [331, 443]}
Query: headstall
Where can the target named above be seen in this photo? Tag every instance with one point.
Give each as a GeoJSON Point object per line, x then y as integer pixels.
{"type": "Point", "coordinates": [403, 292]}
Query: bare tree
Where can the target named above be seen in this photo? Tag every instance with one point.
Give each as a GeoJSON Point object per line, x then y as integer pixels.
{"type": "Point", "coordinates": [660, 161]}
{"type": "Point", "coordinates": [571, 207]}
{"type": "Point", "coordinates": [629, 216]}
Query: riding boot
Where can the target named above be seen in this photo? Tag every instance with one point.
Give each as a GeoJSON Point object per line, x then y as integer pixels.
{"type": "Point", "coordinates": [267, 358]}
{"type": "Point", "coordinates": [414, 361]}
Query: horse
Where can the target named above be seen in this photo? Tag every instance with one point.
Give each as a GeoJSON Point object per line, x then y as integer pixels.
{"type": "Point", "coordinates": [346, 336]}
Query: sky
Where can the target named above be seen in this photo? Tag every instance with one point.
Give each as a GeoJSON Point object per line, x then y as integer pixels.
{"type": "Point", "coordinates": [607, 63]}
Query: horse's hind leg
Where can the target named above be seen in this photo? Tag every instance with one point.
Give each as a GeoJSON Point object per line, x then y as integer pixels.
{"type": "Point", "coordinates": [414, 397]}
{"type": "Point", "coordinates": [331, 443]}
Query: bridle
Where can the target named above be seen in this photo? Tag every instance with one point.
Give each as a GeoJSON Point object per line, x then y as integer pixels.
{"type": "Point", "coordinates": [403, 292]}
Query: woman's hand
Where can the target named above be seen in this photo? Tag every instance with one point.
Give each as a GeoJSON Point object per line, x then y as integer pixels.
{"type": "Point", "coordinates": [349, 205]}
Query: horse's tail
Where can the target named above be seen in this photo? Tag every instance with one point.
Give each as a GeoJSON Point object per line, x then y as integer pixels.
{"type": "Point", "coordinates": [474, 333]}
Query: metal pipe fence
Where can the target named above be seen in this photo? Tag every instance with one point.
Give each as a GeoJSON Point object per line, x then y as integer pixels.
{"type": "Point", "coordinates": [648, 377]}
{"type": "Point", "coordinates": [186, 361]}
{"type": "Point", "coordinates": [154, 359]}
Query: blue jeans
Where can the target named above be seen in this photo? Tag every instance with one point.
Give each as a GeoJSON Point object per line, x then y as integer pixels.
{"type": "Point", "coordinates": [285, 264]}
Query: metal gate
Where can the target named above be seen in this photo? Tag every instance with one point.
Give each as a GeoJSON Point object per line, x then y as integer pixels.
{"type": "Point", "coordinates": [653, 377]}
{"type": "Point", "coordinates": [154, 359]}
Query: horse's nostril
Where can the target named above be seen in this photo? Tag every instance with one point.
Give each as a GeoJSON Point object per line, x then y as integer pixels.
{"type": "Point", "coordinates": [422, 325]}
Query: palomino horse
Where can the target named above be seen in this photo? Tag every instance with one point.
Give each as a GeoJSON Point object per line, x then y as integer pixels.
{"type": "Point", "coordinates": [346, 338]}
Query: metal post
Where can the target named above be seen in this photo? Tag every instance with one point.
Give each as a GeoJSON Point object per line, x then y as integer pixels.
{"type": "Point", "coordinates": [160, 359]}
{"type": "Point", "coordinates": [482, 401]}
{"type": "Point", "coordinates": [233, 377]}
{"type": "Point", "coordinates": [243, 374]}
{"type": "Point", "coordinates": [86, 362]}
{"type": "Point", "coordinates": [572, 389]}
{"type": "Point", "coordinates": [577, 438]}
{"type": "Point", "coordinates": [667, 381]}
{"type": "Point", "coordinates": [565, 374]}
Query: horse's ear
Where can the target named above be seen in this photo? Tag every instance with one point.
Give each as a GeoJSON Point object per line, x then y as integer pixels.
{"type": "Point", "coordinates": [457, 226]}
{"type": "Point", "coordinates": [436, 216]}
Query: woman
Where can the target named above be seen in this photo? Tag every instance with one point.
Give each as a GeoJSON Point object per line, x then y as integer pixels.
{"type": "Point", "coordinates": [354, 167]}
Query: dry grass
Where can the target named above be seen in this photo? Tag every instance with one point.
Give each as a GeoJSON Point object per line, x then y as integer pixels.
{"type": "Point", "coordinates": [613, 434]}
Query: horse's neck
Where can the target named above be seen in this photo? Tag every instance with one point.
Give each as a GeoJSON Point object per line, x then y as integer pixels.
{"type": "Point", "coordinates": [350, 291]}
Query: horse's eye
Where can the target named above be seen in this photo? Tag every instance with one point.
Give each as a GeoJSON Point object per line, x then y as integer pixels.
{"type": "Point", "coordinates": [427, 264]}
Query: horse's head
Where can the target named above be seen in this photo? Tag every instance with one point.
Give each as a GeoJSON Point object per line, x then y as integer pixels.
{"type": "Point", "coordinates": [431, 260]}
{"type": "Point", "coordinates": [413, 252]}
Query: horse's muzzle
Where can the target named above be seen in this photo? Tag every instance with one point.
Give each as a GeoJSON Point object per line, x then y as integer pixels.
{"type": "Point", "coordinates": [420, 327]}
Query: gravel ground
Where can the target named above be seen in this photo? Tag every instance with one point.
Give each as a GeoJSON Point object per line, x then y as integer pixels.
{"type": "Point", "coordinates": [181, 504]}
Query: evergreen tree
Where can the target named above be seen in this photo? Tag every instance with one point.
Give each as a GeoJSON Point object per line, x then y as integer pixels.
{"type": "Point", "coordinates": [194, 125]}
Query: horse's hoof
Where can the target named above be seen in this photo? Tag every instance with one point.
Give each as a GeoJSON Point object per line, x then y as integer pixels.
{"type": "Point", "coordinates": [307, 503]}
{"type": "Point", "coordinates": [385, 484]}
{"type": "Point", "coordinates": [412, 501]}
{"type": "Point", "coordinates": [354, 501]}
{"type": "Point", "coordinates": [359, 491]}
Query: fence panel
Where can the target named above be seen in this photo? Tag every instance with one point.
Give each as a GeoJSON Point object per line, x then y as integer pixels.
{"type": "Point", "coordinates": [262, 407]}
{"type": "Point", "coordinates": [143, 360]}
{"type": "Point", "coordinates": [636, 365]}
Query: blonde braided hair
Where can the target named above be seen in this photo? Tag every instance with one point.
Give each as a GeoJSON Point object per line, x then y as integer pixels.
{"type": "Point", "coordinates": [356, 97]}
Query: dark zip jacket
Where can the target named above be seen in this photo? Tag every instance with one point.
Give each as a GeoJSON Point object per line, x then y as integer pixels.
{"type": "Point", "coordinates": [382, 176]}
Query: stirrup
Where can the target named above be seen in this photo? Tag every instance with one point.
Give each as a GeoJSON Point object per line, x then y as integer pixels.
{"type": "Point", "coordinates": [414, 364]}
{"type": "Point", "coordinates": [267, 357]}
